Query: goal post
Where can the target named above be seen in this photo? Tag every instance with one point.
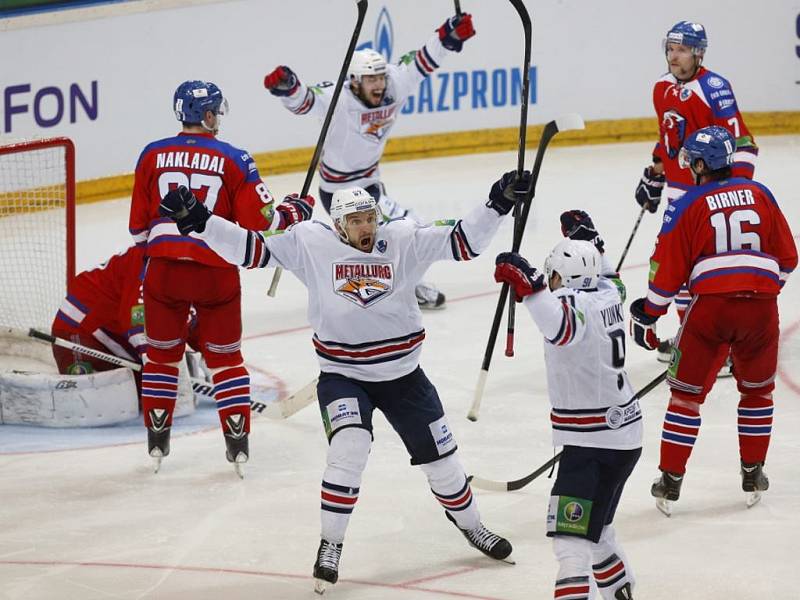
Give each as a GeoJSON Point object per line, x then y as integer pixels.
{"type": "Point", "coordinates": [37, 230]}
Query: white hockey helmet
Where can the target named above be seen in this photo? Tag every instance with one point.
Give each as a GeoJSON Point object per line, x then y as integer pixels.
{"type": "Point", "coordinates": [348, 201]}
{"type": "Point", "coordinates": [576, 261]}
{"type": "Point", "coordinates": [366, 62]}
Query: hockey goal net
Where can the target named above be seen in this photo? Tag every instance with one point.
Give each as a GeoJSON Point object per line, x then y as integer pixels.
{"type": "Point", "coordinates": [37, 230]}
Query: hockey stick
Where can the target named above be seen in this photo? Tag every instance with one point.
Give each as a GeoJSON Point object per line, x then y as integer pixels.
{"type": "Point", "coordinates": [516, 484]}
{"type": "Point", "coordinates": [565, 123]}
{"type": "Point", "coordinates": [281, 409]}
{"type": "Point", "coordinates": [362, 10]}
{"type": "Point", "coordinates": [523, 127]}
{"type": "Point", "coordinates": [630, 239]}
{"type": "Point", "coordinates": [458, 7]}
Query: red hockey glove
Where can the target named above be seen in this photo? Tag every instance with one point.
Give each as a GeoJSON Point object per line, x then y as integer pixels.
{"type": "Point", "coordinates": [513, 269]}
{"type": "Point", "coordinates": [648, 192]}
{"type": "Point", "coordinates": [455, 31]}
{"type": "Point", "coordinates": [507, 191]}
{"type": "Point", "coordinates": [294, 209]}
{"type": "Point", "coordinates": [577, 225]}
{"type": "Point", "coordinates": [181, 206]}
{"type": "Point", "coordinates": [281, 82]}
{"type": "Point", "coordinates": [643, 326]}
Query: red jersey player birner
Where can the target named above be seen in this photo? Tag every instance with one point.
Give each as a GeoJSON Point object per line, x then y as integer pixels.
{"type": "Point", "coordinates": [368, 107]}
{"type": "Point", "coordinates": [729, 239]}
{"type": "Point", "coordinates": [594, 414]}
{"type": "Point", "coordinates": [685, 99]}
{"type": "Point", "coordinates": [368, 337]}
{"type": "Point", "coordinates": [185, 272]}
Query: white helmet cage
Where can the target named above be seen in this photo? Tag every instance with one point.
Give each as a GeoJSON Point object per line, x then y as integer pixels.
{"type": "Point", "coordinates": [348, 201]}
{"type": "Point", "coordinates": [366, 62]}
{"type": "Point", "coordinates": [576, 261]}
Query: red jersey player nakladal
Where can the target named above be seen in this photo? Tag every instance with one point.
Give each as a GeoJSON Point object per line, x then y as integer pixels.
{"type": "Point", "coordinates": [729, 240]}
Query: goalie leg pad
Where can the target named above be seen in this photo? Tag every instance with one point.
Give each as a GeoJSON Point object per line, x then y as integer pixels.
{"type": "Point", "coordinates": [52, 400]}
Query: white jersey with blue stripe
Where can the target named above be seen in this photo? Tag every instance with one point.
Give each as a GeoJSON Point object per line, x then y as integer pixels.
{"type": "Point", "coordinates": [584, 352]}
{"type": "Point", "coordinates": [362, 306]}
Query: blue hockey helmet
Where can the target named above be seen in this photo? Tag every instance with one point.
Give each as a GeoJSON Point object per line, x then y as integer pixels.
{"type": "Point", "coordinates": [689, 34]}
{"type": "Point", "coordinates": [193, 98]}
{"type": "Point", "coordinates": [715, 145]}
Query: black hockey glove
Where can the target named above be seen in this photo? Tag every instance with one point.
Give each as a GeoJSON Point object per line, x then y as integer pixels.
{"type": "Point", "coordinates": [643, 326]}
{"type": "Point", "coordinates": [648, 192]}
{"type": "Point", "coordinates": [181, 206]}
{"type": "Point", "coordinates": [507, 191]}
{"type": "Point", "coordinates": [294, 209]}
{"type": "Point", "coordinates": [455, 31]}
{"type": "Point", "coordinates": [577, 225]}
{"type": "Point", "coordinates": [513, 269]}
{"type": "Point", "coordinates": [281, 82]}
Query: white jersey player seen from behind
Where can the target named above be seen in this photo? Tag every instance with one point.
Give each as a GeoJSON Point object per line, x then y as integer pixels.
{"type": "Point", "coordinates": [367, 109]}
{"type": "Point", "coordinates": [594, 414]}
{"type": "Point", "coordinates": [368, 337]}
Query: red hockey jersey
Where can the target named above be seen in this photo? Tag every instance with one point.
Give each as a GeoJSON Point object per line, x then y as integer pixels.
{"type": "Point", "coordinates": [684, 107]}
{"type": "Point", "coordinates": [723, 237]}
{"type": "Point", "coordinates": [106, 303]}
{"type": "Point", "coordinates": [223, 177]}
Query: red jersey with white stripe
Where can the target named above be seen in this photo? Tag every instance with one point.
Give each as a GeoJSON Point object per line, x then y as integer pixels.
{"type": "Point", "coordinates": [106, 303]}
{"type": "Point", "coordinates": [221, 176]}
{"type": "Point", "coordinates": [684, 107]}
{"type": "Point", "coordinates": [584, 351]}
{"type": "Point", "coordinates": [723, 237]}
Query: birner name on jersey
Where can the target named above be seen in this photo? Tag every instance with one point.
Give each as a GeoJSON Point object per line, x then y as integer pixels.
{"type": "Point", "coordinates": [729, 199]}
{"type": "Point", "coordinates": [363, 283]}
{"type": "Point", "coordinates": [196, 161]}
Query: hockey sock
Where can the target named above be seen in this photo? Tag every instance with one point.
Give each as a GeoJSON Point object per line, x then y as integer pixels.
{"type": "Point", "coordinates": [347, 458]}
{"type": "Point", "coordinates": [232, 394]}
{"type": "Point", "coordinates": [611, 570]}
{"type": "Point", "coordinates": [681, 426]}
{"type": "Point", "coordinates": [574, 556]}
{"type": "Point", "coordinates": [449, 485]}
{"type": "Point", "coordinates": [159, 391]}
{"type": "Point", "coordinates": [755, 427]}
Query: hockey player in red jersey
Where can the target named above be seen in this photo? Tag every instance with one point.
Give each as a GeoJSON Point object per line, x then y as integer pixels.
{"type": "Point", "coordinates": [687, 98]}
{"type": "Point", "coordinates": [184, 272]}
{"type": "Point", "coordinates": [103, 310]}
{"type": "Point", "coordinates": [730, 241]}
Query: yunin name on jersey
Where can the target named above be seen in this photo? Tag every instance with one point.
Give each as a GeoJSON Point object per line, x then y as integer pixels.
{"type": "Point", "coordinates": [585, 355]}
{"type": "Point", "coordinates": [362, 307]}
{"type": "Point", "coordinates": [358, 134]}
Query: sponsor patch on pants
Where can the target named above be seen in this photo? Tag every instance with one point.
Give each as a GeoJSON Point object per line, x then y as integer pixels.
{"type": "Point", "coordinates": [442, 436]}
{"type": "Point", "coordinates": [341, 412]}
{"type": "Point", "coordinates": [567, 514]}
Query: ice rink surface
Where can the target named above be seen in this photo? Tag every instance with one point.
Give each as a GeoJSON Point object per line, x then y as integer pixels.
{"type": "Point", "coordinates": [95, 522]}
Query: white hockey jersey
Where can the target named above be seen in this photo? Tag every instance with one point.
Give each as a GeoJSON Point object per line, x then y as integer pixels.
{"type": "Point", "coordinates": [362, 307]}
{"type": "Point", "coordinates": [584, 352]}
{"type": "Point", "coordinates": [357, 134]}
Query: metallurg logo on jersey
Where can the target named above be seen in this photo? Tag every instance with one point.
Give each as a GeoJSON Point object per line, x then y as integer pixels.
{"type": "Point", "coordinates": [363, 283]}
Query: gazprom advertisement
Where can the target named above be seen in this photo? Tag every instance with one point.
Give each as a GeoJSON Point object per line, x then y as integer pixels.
{"type": "Point", "coordinates": [105, 76]}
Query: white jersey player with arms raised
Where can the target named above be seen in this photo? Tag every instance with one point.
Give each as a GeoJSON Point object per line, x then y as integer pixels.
{"type": "Point", "coordinates": [593, 413]}
{"type": "Point", "coordinates": [367, 108]}
{"type": "Point", "coordinates": [368, 337]}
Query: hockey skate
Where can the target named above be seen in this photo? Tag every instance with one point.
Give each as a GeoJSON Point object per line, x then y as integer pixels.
{"type": "Point", "coordinates": [326, 567]}
{"type": "Point", "coordinates": [624, 593]}
{"type": "Point", "coordinates": [664, 351]}
{"type": "Point", "coordinates": [666, 489]}
{"type": "Point", "coordinates": [491, 544]}
{"type": "Point", "coordinates": [158, 437]}
{"type": "Point", "coordinates": [754, 481]}
{"type": "Point", "coordinates": [237, 451]}
{"type": "Point", "coordinates": [428, 297]}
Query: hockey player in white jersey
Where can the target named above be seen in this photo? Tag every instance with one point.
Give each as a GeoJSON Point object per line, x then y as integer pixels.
{"type": "Point", "coordinates": [593, 415]}
{"type": "Point", "coordinates": [368, 337]}
{"type": "Point", "coordinates": [368, 106]}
